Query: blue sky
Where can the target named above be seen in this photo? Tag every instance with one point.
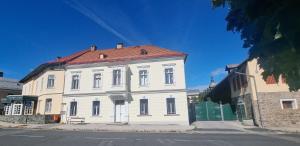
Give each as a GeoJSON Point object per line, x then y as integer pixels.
{"type": "Point", "coordinates": [33, 32]}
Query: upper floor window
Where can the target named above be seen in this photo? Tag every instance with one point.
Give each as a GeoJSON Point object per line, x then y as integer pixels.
{"type": "Point", "coordinates": [75, 82]}
{"type": "Point", "coordinates": [171, 106]}
{"type": "Point", "coordinates": [169, 76]}
{"type": "Point", "coordinates": [116, 77]}
{"type": "Point", "coordinates": [143, 77]}
{"type": "Point", "coordinates": [50, 83]}
{"type": "Point", "coordinates": [96, 108]}
{"type": "Point", "coordinates": [73, 108]}
{"type": "Point", "coordinates": [48, 105]}
{"type": "Point", "coordinates": [97, 80]}
{"type": "Point", "coordinates": [143, 106]}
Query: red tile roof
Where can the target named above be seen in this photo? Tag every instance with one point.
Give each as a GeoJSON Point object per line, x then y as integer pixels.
{"type": "Point", "coordinates": [124, 54]}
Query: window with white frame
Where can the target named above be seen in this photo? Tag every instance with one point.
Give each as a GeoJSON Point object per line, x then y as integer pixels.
{"type": "Point", "coordinates": [169, 76]}
{"type": "Point", "coordinates": [50, 82]}
{"type": "Point", "coordinates": [171, 109]}
{"type": "Point", "coordinates": [116, 77]}
{"type": "Point", "coordinates": [7, 110]}
{"type": "Point", "coordinates": [28, 107]}
{"type": "Point", "coordinates": [143, 75]}
{"type": "Point", "coordinates": [97, 80]}
{"type": "Point", "coordinates": [48, 105]}
{"type": "Point", "coordinates": [289, 104]}
{"type": "Point", "coordinates": [75, 82]}
{"type": "Point", "coordinates": [17, 109]}
{"type": "Point", "coordinates": [73, 108]}
{"type": "Point", "coordinates": [96, 108]}
{"type": "Point", "coordinates": [143, 106]}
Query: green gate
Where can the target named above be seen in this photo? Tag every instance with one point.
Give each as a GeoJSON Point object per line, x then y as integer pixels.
{"type": "Point", "coordinates": [211, 111]}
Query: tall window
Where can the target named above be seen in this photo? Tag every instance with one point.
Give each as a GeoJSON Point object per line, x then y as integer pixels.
{"type": "Point", "coordinates": [75, 82]}
{"type": "Point", "coordinates": [48, 105]}
{"type": "Point", "coordinates": [96, 108]}
{"type": "Point", "coordinates": [17, 109]}
{"type": "Point", "coordinates": [73, 108]}
{"type": "Point", "coordinates": [97, 80]}
{"type": "Point", "coordinates": [169, 76]}
{"type": "Point", "coordinates": [117, 77]}
{"type": "Point", "coordinates": [50, 83]}
{"type": "Point", "coordinates": [143, 77]}
{"type": "Point", "coordinates": [171, 106]}
{"type": "Point", "coordinates": [143, 106]}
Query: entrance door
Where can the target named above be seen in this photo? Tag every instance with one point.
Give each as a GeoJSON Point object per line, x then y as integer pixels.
{"type": "Point", "coordinates": [120, 111]}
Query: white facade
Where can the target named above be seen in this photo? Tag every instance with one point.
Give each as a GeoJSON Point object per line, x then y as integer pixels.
{"type": "Point", "coordinates": [145, 91]}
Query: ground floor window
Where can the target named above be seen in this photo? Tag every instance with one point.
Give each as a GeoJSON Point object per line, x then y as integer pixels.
{"type": "Point", "coordinates": [73, 108]}
{"type": "Point", "coordinates": [7, 110]}
{"type": "Point", "coordinates": [288, 104]}
{"type": "Point", "coordinates": [28, 107]}
{"type": "Point", "coordinates": [96, 108]}
{"type": "Point", "coordinates": [17, 109]}
{"type": "Point", "coordinates": [48, 105]}
{"type": "Point", "coordinates": [171, 106]}
{"type": "Point", "coordinates": [143, 106]}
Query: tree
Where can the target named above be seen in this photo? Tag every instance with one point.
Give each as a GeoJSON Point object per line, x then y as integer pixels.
{"type": "Point", "coordinates": [271, 31]}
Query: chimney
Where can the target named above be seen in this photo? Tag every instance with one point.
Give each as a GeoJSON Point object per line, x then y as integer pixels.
{"type": "Point", "coordinates": [93, 48]}
{"type": "Point", "coordinates": [120, 45]}
{"type": "Point", "coordinates": [1, 74]}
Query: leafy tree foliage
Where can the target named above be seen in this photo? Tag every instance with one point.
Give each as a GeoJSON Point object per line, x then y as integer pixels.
{"type": "Point", "coordinates": [271, 31]}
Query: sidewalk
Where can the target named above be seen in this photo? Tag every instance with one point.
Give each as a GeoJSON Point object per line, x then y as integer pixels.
{"type": "Point", "coordinates": [104, 127]}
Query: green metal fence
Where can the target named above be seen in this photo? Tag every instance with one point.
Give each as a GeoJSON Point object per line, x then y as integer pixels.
{"type": "Point", "coordinates": [210, 111]}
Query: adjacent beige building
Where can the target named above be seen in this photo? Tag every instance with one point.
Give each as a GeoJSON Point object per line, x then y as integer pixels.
{"type": "Point", "coordinates": [269, 103]}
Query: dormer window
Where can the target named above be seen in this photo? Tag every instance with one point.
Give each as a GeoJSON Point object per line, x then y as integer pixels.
{"type": "Point", "coordinates": [144, 52]}
{"type": "Point", "coordinates": [102, 56]}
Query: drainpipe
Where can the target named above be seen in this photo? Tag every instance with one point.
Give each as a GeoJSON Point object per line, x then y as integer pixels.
{"type": "Point", "coordinates": [258, 106]}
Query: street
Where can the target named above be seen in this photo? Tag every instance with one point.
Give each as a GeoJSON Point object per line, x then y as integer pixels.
{"type": "Point", "coordinates": [22, 137]}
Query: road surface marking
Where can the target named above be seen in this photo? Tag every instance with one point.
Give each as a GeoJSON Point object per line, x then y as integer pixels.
{"type": "Point", "coordinates": [30, 136]}
{"type": "Point", "coordinates": [101, 138]}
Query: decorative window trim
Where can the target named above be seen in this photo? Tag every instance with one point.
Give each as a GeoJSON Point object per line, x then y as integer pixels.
{"type": "Point", "coordinates": [143, 66]}
{"type": "Point", "coordinates": [169, 65]}
{"type": "Point", "coordinates": [101, 80]}
{"type": "Point", "coordinates": [51, 87]}
{"type": "Point", "coordinates": [148, 77]}
{"type": "Point", "coordinates": [79, 77]}
{"type": "Point", "coordinates": [164, 75]}
{"type": "Point", "coordinates": [295, 103]}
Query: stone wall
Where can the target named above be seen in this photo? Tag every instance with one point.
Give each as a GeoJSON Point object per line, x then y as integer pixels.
{"type": "Point", "coordinates": [24, 119]}
{"type": "Point", "coordinates": [273, 115]}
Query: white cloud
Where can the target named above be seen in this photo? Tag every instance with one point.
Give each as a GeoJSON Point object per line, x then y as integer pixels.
{"type": "Point", "coordinates": [200, 87]}
{"type": "Point", "coordinates": [97, 19]}
{"type": "Point", "coordinates": [218, 72]}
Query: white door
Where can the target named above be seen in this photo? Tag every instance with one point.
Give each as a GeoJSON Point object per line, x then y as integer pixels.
{"type": "Point", "coordinates": [120, 111]}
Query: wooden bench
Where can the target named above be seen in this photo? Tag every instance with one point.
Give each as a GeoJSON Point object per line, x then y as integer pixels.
{"type": "Point", "coordinates": [76, 120]}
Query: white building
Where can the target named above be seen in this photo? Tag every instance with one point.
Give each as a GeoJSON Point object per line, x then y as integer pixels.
{"type": "Point", "coordinates": [139, 84]}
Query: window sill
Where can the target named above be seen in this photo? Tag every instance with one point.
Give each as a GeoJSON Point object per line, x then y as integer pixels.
{"type": "Point", "coordinates": [144, 115]}
{"type": "Point", "coordinates": [74, 89]}
{"type": "Point", "coordinates": [143, 86]}
{"type": "Point", "coordinates": [99, 116]}
{"type": "Point", "coordinates": [170, 84]}
{"type": "Point", "coordinates": [50, 88]}
{"type": "Point", "coordinates": [171, 115]}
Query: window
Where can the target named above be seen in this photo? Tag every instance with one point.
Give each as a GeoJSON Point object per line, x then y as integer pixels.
{"type": "Point", "coordinates": [28, 107]}
{"type": "Point", "coordinates": [288, 104]}
{"type": "Point", "coordinates": [238, 82]}
{"type": "Point", "coordinates": [7, 110]}
{"type": "Point", "coordinates": [75, 82]}
{"type": "Point", "coordinates": [48, 105]}
{"type": "Point", "coordinates": [73, 108]}
{"type": "Point", "coordinates": [50, 83]}
{"type": "Point", "coordinates": [96, 108]}
{"type": "Point", "coordinates": [171, 106]}
{"type": "Point", "coordinates": [169, 76]}
{"type": "Point", "coordinates": [143, 77]}
{"type": "Point", "coordinates": [116, 77]}
{"type": "Point", "coordinates": [97, 80]}
{"type": "Point", "coordinates": [17, 109]}
{"type": "Point", "coordinates": [234, 84]}
{"type": "Point", "coordinates": [143, 106]}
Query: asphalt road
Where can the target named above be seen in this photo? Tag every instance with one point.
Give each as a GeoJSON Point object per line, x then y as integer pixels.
{"type": "Point", "coordinates": [20, 137]}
